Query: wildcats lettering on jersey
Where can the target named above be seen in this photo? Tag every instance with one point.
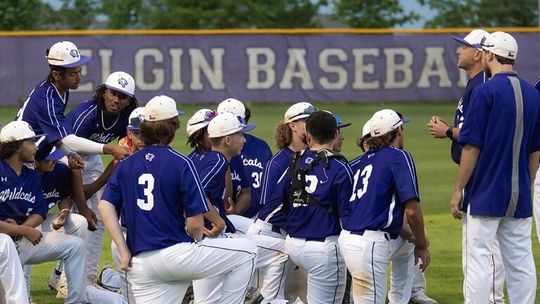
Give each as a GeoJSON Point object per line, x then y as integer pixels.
{"type": "Point", "coordinates": [53, 195]}
{"type": "Point", "coordinates": [252, 162]}
{"type": "Point", "coordinates": [17, 194]}
{"type": "Point", "coordinates": [103, 138]}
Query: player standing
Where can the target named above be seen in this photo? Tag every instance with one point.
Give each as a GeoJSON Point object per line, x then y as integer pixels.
{"type": "Point", "coordinates": [321, 183]}
{"type": "Point", "coordinates": [499, 192]}
{"type": "Point", "coordinates": [165, 249]}
{"type": "Point", "coordinates": [13, 289]}
{"type": "Point", "coordinates": [23, 208]}
{"type": "Point", "coordinates": [385, 190]}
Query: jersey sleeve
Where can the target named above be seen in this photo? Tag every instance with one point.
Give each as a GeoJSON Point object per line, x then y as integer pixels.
{"type": "Point", "coordinates": [271, 181]}
{"type": "Point", "coordinates": [212, 176]}
{"type": "Point", "coordinates": [404, 175]}
{"type": "Point", "coordinates": [343, 189]}
{"type": "Point", "coordinates": [474, 127]}
{"type": "Point", "coordinates": [113, 192]}
{"type": "Point", "coordinates": [80, 119]}
{"type": "Point", "coordinates": [192, 191]}
{"type": "Point", "coordinates": [51, 118]}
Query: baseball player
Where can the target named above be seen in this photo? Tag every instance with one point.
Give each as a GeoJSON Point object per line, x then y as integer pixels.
{"type": "Point", "coordinates": [164, 249]}
{"type": "Point", "coordinates": [255, 154]}
{"type": "Point", "coordinates": [44, 111]}
{"type": "Point", "coordinates": [385, 189]}
{"type": "Point", "coordinates": [499, 193]}
{"type": "Point", "coordinates": [13, 288]}
{"type": "Point", "coordinates": [536, 193]}
{"type": "Point", "coordinates": [469, 55]}
{"type": "Point", "coordinates": [321, 183]}
{"type": "Point", "coordinates": [23, 208]}
{"type": "Point", "coordinates": [290, 138]}
{"type": "Point", "coordinates": [101, 120]}
{"type": "Point", "coordinates": [338, 142]}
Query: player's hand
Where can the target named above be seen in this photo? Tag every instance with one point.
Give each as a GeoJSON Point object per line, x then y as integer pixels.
{"type": "Point", "coordinates": [422, 256]}
{"type": "Point", "coordinates": [125, 261]}
{"type": "Point", "coordinates": [33, 235]}
{"type": "Point", "coordinates": [456, 204]}
{"type": "Point", "coordinates": [61, 220]}
{"type": "Point", "coordinates": [75, 161]}
{"type": "Point", "coordinates": [118, 152]}
{"type": "Point", "coordinates": [231, 208]}
{"type": "Point", "coordinates": [437, 127]}
{"type": "Point", "coordinates": [91, 218]}
{"type": "Point", "coordinates": [214, 232]}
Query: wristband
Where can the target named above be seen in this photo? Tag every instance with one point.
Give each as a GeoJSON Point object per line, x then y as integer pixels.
{"type": "Point", "coordinates": [450, 133]}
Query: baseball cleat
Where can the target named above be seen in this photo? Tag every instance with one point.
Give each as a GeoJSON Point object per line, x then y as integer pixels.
{"type": "Point", "coordinates": [422, 298]}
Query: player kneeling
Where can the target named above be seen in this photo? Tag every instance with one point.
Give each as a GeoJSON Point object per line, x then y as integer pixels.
{"type": "Point", "coordinates": [164, 215]}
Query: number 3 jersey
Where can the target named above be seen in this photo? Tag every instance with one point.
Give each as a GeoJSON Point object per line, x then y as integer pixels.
{"type": "Point", "coordinates": [20, 196]}
{"type": "Point", "coordinates": [384, 180]}
{"type": "Point", "coordinates": [156, 189]}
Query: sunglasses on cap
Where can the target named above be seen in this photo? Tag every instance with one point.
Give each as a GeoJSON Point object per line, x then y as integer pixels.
{"type": "Point", "coordinates": [307, 111]}
{"type": "Point", "coordinates": [207, 117]}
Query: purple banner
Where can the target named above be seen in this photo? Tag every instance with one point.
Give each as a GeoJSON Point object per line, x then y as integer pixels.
{"type": "Point", "coordinates": [260, 67]}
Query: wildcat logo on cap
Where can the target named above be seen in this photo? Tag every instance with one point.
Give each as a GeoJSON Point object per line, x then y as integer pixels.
{"type": "Point", "coordinates": [123, 82]}
{"type": "Point", "coordinates": [74, 53]}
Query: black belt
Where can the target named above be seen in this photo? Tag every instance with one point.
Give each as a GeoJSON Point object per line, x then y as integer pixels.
{"type": "Point", "coordinates": [276, 229]}
{"type": "Point", "coordinates": [314, 239]}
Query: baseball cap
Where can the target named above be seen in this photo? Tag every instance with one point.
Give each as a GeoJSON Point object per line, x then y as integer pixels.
{"type": "Point", "coordinates": [135, 119]}
{"type": "Point", "coordinates": [384, 121]}
{"type": "Point", "coordinates": [121, 82]}
{"type": "Point", "coordinates": [160, 107]}
{"type": "Point", "coordinates": [232, 105]}
{"type": "Point", "coordinates": [298, 111]}
{"type": "Point", "coordinates": [365, 134]}
{"type": "Point", "coordinates": [65, 54]}
{"type": "Point", "coordinates": [226, 124]}
{"type": "Point", "coordinates": [500, 43]}
{"type": "Point", "coordinates": [17, 130]}
{"type": "Point", "coordinates": [199, 120]}
{"type": "Point", "coordinates": [472, 39]}
{"type": "Point", "coordinates": [340, 123]}
{"type": "Point", "coordinates": [55, 154]}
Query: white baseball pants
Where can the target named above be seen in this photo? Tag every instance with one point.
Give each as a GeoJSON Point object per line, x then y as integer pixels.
{"type": "Point", "coordinates": [163, 276]}
{"type": "Point", "coordinates": [536, 203]}
{"type": "Point", "coordinates": [324, 264]}
{"type": "Point", "coordinates": [13, 289]}
{"type": "Point", "coordinates": [497, 275]}
{"type": "Point", "coordinates": [54, 246]}
{"type": "Point", "coordinates": [94, 239]}
{"type": "Point", "coordinates": [367, 257]}
{"type": "Point", "coordinates": [402, 271]}
{"type": "Point", "coordinates": [514, 236]}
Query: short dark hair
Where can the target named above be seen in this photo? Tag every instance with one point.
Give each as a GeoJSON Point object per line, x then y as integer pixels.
{"type": "Point", "coordinates": [9, 148]}
{"type": "Point", "coordinates": [322, 127]}
{"type": "Point", "coordinates": [247, 113]}
{"type": "Point", "coordinates": [503, 60]}
{"type": "Point", "coordinates": [159, 132]}
{"type": "Point", "coordinates": [216, 141]}
{"type": "Point", "coordinates": [55, 68]}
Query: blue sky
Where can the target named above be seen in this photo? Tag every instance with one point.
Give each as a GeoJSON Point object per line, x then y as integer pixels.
{"type": "Point", "coordinates": [409, 5]}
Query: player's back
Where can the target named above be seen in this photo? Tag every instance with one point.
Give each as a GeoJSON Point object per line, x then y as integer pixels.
{"type": "Point", "coordinates": [154, 184]}
{"type": "Point", "coordinates": [504, 124]}
{"type": "Point", "coordinates": [384, 179]}
{"type": "Point", "coordinates": [330, 186]}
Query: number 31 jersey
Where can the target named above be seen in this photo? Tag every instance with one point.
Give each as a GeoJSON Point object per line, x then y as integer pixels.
{"type": "Point", "coordinates": [384, 180]}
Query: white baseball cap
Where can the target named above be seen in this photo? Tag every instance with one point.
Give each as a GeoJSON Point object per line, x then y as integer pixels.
{"type": "Point", "coordinates": [365, 129]}
{"type": "Point", "coordinates": [66, 54]}
{"type": "Point", "coordinates": [502, 44]}
{"type": "Point", "coordinates": [384, 121]}
{"type": "Point", "coordinates": [160, 107]}
{"type": "Point", "coordinates": [199, 120]}
{"type": "Point", "coordinates": [472, 39]}
{"type": "Point", "coordinates": [121, 82]}
{"type": "Point", "coordinates": [17, 130]}
{"type": "Point", "coordinates": [135, 119]}
{"type": "Point", "coordinates": [298, 111]}
{"type": "Point", "coordinates": [232, 105]}
{"type": "Point", "coordinates": [226, 124]}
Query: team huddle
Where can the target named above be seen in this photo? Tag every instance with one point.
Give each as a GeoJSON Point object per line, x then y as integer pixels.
{"type": "Point", "coordinates": [231, 223]}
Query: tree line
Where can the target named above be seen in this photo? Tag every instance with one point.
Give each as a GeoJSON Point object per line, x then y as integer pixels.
{"type": "Point", "coordinates": [220, 14]}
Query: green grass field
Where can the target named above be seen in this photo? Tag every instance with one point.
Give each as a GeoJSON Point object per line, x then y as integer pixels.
{"type": "Point", "coordinates": [436, 173]}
